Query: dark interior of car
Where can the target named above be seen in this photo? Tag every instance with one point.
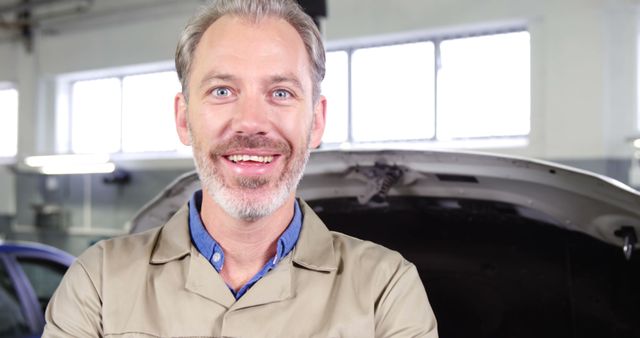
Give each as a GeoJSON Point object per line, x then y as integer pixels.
{"type": "Point", "coordinates": [495, 270]}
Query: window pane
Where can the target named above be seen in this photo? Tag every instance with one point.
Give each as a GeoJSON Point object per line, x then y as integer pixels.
{"type": "Point", "coordinates": [8, 122]}
{"type": "Point", "coordinates": [95, 116]}
{"type": "Point", "coordinates": [44, 277]}
{"type": "Point", "coordinates": [484, 86]}
{"type": "Point", "coordinates": [147, 112]}
{"type": "Point", "coordinates": [12, 321]}
{"type": "Point", "coordinates": [336, 88]}
{"type": "Point", "coordinates": [393, 92]}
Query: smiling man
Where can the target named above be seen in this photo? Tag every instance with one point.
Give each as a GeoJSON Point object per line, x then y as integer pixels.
{"type": "Point", "coordinates": [244, 258]}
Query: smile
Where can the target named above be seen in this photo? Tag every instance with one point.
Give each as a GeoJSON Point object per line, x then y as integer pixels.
{"type": "Point", "coordinates": [250, 158]}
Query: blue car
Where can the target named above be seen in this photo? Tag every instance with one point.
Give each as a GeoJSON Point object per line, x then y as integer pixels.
{"type": "Point", "coordinates": [29, 274]}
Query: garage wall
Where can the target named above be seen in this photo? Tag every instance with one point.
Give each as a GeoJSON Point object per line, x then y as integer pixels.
{"type": "Point", "coordinates": [583, 60]}
{"type": "Point", "coordinates": [584, 97]}
{"type": "Point", "coordinates": [584, 75]}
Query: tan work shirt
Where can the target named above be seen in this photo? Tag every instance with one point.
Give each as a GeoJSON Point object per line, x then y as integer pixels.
{"type": "Point", "coordinates": [157, 284]}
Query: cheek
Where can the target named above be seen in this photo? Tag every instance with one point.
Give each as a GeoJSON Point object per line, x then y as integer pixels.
{"type": "Point", "coordinates": [296, 132]}
{"type": "Point", "coordinates": [206, 123]}
{"type": "Point", "coordinates": [294, 125]}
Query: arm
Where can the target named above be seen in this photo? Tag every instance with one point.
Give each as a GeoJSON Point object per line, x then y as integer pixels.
{"type": "Point", "coordinates": [75, 308]}
{"type": "Point", "coordinates": [403, 309]}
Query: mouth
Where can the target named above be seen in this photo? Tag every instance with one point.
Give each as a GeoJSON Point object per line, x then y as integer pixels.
{"type": "Point", "coordinates": [248, 159]}
{"type": "Point", "coordinates": [252, 163]}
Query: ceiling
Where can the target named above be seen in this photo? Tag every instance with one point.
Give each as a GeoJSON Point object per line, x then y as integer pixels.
{"type": "Point", "coordinates": [22, 18]}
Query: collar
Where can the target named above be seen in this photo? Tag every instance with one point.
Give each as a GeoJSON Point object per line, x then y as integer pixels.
{"type": "Point", "coordinates": [214, 253]}
{"type": "Point", "coordinates": [314, 249]}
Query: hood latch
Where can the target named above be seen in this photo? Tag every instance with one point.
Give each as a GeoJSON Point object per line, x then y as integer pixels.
{"type": "Point", "coordinates": [628, 234]}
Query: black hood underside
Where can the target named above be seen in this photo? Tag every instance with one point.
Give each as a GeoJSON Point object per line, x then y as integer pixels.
{"type": "Point", "coordinates": [494, 270]}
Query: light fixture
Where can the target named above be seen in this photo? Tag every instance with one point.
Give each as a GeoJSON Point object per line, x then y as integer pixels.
{"type": "Point", "coordinates": [71, 164]}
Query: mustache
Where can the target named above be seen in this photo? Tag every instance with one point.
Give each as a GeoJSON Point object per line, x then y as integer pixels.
{"type": "Point", "coordinates": [238, 142]}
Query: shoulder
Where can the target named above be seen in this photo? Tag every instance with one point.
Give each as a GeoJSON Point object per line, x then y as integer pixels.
{"type": "Point", "coordinates": [367, 254]}
{"type": "Point", "coordinates": [400, 301]}
{"type": "Point", "coordinates": [126, 246]}
{"type": "Point", "coordinates": [122, 251]}
{"type": "Point", "coordinates": [349, 245]}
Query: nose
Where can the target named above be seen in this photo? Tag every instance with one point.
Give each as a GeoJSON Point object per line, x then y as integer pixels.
{"type": "Point", "coordinates": [251, 116]}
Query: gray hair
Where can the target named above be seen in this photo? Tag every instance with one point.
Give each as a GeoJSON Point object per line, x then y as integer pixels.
{"type": "Point", "coordinates": [253, 10]}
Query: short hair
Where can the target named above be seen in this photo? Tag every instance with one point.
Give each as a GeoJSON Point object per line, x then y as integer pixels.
{"type": "Point", "coordinates": [254, 10]}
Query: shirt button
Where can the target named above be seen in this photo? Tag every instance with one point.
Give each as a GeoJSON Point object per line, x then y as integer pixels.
{"type": "Point", "coordinates": [216, 257]}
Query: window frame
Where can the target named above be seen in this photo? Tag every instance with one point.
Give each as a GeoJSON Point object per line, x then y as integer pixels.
{"type": "Point", "coordinates": [65, 82]}
{"type": "Point", "coordinates": [463, 142]}
{"type": "Point", "coordinates": [64, 115]}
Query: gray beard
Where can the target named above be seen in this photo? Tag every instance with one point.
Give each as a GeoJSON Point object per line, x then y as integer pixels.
{"type": "Point", "coordinates": [241, 203]}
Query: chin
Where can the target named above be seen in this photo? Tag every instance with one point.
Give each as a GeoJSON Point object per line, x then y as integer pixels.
{"type": "Point", "coordinates": [248, 204]}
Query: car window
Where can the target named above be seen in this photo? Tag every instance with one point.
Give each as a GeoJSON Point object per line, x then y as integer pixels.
{"type": "Point", "coordinates": [44, 277]}
{"type": "Point", "coordinates": [12, 321]}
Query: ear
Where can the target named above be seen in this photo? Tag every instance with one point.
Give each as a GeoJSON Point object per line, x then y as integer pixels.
{"type": "Point", "coordinates": [317, 129]}
{"type": "Point", "coordinates": [180, 110]}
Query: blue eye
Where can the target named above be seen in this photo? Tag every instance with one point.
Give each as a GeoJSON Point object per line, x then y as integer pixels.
{"type": "Point", "coordinates": [281, 94]}
{"type": "Point", "coordinates": [222, 91]}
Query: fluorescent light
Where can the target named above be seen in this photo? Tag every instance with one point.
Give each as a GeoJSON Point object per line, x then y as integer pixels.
{"type": "Point", "coordinates": [41, 161]}
{"type": "Point", "coordinates": [71, 164]}
{"type": "Point", "coordinates": [88, 168]}
{"type": "Point", "coordinates": [636, 143]}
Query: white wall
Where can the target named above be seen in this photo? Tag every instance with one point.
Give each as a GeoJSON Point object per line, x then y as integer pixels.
{"type": "Point", "coordinates": [584, 55]}
{"type": "Point", "coordinates": [584, 64]}
{"type": "Point", "coordinates": [7, 184]}
{"type": "Point", "coordinates": [8, 61]}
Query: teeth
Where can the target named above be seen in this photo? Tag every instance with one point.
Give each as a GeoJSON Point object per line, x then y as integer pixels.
{"type": "Point", "coordinates": [253, 158]}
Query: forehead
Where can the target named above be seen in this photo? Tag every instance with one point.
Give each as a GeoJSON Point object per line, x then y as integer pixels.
{"type": "Point", "coordinates": [233, 43]}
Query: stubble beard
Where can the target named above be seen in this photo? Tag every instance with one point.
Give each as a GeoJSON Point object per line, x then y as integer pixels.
{"type": "Point", "coordinates": [240, 199]}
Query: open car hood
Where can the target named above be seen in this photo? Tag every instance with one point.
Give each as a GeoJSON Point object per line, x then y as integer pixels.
{"type": "Point", "coordinates": [566, 197]}
{"type": "Point", "coordinates": [509, 247]}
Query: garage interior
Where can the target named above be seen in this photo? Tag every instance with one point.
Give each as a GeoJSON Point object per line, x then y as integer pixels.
{"type": "Point", "coordinates": [583, 111]}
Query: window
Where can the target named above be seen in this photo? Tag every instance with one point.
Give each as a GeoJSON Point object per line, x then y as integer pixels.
{"type": "Point", "coordinates": [483, 86]}
{"type": "Point", "coordinates": [148, 101]}
{"type": "Point", "coordinates": [392, 92]}
{"type": "Point", "coordinates": [12, 320]}
{"type": "Point", "coordinates": [8, 122]}
{"type": "Point", "coordinates": [96, 116]}
{"type": "Point", "coordinates": [336, 88]}
{"type": "Point", "coordinates": [44, 277]}
{"type": "Point", "coordinates": [437, 90]}
{"type": "Point", "coordinates": [126, 114]}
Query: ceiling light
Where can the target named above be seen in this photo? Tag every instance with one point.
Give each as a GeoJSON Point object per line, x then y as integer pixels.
{"type": "Point", "coordinates": [96, 168]}
{"type": "Point", "coordinates": [71, 164]}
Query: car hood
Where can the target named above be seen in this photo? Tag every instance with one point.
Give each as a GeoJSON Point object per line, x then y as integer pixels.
{"type": "Point", "coordinates": [563, 196]}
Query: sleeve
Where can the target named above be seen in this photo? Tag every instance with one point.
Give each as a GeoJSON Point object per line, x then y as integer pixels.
{"type": "Point", "coordinates": [403, 309]}
{"type": "Point", "coordinates": [75, 308]}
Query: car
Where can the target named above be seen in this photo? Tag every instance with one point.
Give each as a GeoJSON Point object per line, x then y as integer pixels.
{"type": "Point", "coordinates": [505, 246]}
{"type": "Point", "coordinates": [29, 274]}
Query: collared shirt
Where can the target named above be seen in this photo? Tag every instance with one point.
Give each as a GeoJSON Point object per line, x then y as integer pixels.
{"type": "Point", "coordinates": [213, 252]}
{"type": "Point", "coordinates": [156, 284]}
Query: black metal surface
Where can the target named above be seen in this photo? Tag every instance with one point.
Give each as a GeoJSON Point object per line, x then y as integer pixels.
{"type": "Point", "coordinates": [490, 272]}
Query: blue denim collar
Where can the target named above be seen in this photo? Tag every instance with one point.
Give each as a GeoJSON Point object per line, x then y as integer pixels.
{"type": "Point", "coordinates": [213, 252]}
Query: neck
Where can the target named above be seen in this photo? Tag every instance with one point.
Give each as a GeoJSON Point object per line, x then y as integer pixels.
{"type": "Point", "coordinates": [247, 245]}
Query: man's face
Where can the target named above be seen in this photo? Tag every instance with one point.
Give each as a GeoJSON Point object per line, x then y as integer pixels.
{"type": "Point", "coordinates": [250, 116]}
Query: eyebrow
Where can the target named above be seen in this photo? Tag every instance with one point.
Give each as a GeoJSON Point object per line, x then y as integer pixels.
{"type": "Point", "coordinates": [274, 79]}
{"type": "Point", "coordinates": [214, 75]}
{"type": "Point", "coordinates": [290, 78]}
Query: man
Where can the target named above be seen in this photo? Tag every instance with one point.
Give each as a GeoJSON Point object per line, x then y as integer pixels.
{"type": "Point", "coordinates": [244, 258]}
